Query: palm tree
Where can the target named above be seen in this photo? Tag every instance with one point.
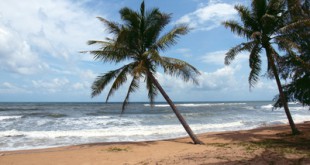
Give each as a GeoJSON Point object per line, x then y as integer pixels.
{"type": "Point", "coordinates": [295, 41]}
{"type": "Point", "coordinates": [260, 26]}
{"type": "Point", "coordinates": [138, 41]}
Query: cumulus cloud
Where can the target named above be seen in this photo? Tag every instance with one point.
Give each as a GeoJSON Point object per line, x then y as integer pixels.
{"type": "Point", "coordinates": [86, 78]}
{"type": "Point", "coordinates": [42, 32]}
{"type": "Point", "coordinates": [220, 79]}
{"type": "Point", "coordinates": [52, 86]}
{"type": "Point", "coordinates": [56, 82]}
{"type": "Point", "coordinates": [16, 54]}
{"type": "Point", "coordinates": [210, 16]}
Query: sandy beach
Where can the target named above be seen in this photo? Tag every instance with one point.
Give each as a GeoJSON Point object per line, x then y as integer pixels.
{"type": "Point", "coordinates": [266, 145]}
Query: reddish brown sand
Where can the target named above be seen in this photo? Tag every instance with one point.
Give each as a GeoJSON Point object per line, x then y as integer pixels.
{"type": "Point", "coordinates": [267, 145]}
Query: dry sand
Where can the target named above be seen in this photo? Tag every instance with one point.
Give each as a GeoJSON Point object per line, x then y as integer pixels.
{"type": "Point", "coordinates": [267, 145]}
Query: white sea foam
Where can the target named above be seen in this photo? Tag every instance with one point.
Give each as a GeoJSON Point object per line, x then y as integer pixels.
{"type": "Point", "coordinates": [11, 133]}
{"type": "Point", "coordinates": [195, 104]}
{"type": "Point", "coordinates": [143, 131]}
{"type": "Point", "coordinates": [214, 127]}
{"type": "Point", "coordinates": [132, 131]}
{"type": "Point", "coordinates": [300, 108]}
{"type": "Point", "coordinates": [301, 118]}
{"type": "Point", "coordinates": [268, 106]}
{"type": "Point", "coordinates": [9, 117]}
{"type": "Point", "coordinates": [157, 105]}
{"type": "Point", "coordinates": [78, 127]}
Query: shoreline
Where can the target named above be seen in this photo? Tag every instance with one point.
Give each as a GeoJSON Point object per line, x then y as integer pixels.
{"type": "Point", "coordinates": [146, 141]}
{"type": "Point", "coordinates": [177, 150]}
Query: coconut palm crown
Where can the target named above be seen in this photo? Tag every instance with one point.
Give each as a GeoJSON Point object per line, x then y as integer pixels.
{"type": "Point", "coordinates": [138, 40]}
{"type": "Point", "coordinates": [261, 26]}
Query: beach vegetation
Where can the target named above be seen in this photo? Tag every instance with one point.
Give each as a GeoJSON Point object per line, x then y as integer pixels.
{"type": "Point", "coordinates": [117, 149]}
{"type": "Point", "coordinates": [295, 64]}
{"type": "Point", "coordinates": [139, 41]}
{"type": "Point", "coordinates": [261, 25]}
{"type": "Point", "coordinates": [225, 145]}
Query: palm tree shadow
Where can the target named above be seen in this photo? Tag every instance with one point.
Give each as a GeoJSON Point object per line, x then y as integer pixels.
{"type": "Point", "coordinates": [267, 158]}
{"type": "Point", "coordinates": [279, 148]}
{"type": "Point", "coordinates": [263, 133]}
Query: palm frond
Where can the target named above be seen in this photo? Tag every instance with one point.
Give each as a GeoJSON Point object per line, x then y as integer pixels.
{"type": "Point", "coordinates": [259, 8]}
{"type": "Point", "coordinates": [134, 85]}
{"type": "Point", "coordinates": [255, 65]}
{"type": "Point", "coordinates": [275, 7]}
{"type": "Point", "coordinates": [169, 38]}
{"type": "Point", "coordinates": [130, 17]}
{"type": "Point", "coordinates": [155, 23]}
{"type": "Point", "coordinates": [111, 53]}
{"type": "Point", "coordinates": [234, 51]}
{"type": "Point", "coordinates": [303, 64]}
{"type": "Point", "coordinates": [120, 79]}
{"type": "Point", "coordinates": [91, 42]}
{"type": "Point", "coordinates": [247, 19]}
{"type": "Point", "coordinates": [113, 27]}
{"type": "Point", "coordinates": [102, 81]}
{"type": "Point", "coordinates": [303, 23]}
{"type": "Point", "coordinates": [154, 56]}
{"type": "Point", "coordinates": [286, 44]}
{"type": "Point", "coordinates": [142, 8]}
{"type": "Point", "coordinates": [179, 68]}
{"type": "Point", "coordinates": [236, 28]}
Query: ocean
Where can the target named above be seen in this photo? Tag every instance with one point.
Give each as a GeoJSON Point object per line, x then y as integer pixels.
{"type": "Point", "coordinates": [44, 125]}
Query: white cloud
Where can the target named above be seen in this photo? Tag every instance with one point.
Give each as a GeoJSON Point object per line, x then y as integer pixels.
{"type": "Point", "coordinates": [218, 57]}
{"type": "Point", "coordinates": [210, 16]}
{"type": "Point", "coordinates": [10, 88]}
{"type": "Point", "coordinates": [80, 86]}
{"type": "Point", "coordinates": [16, 54]}
{"type": "Point", "coordinates": [86, 79]}
{"type": "Point", "coordinates": [42, 32]}
{"type": "Point", "coordinates": [266, 85]}
{"type": "Point", "coordinates": [220, 79]}
{"type": "Point", "coordinates": [87, 75]}
{"type": "Point", "coordinates": [51, 86]}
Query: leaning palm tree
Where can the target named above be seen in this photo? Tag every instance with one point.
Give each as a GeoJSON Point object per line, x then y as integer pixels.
{"type": "Point", "coordinates": [138, 42]}
{"type": "Point", "coordinates": [260, 25]}
{"type": "Point", "coordinates": [295, 41]}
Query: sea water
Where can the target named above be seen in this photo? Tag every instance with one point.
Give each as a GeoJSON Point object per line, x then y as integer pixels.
{"type": "Point", "coordinates": [42, 125]}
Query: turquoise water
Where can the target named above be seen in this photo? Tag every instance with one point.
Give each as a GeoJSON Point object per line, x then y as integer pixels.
{"type": "Point", "coordinates": [41, 125]}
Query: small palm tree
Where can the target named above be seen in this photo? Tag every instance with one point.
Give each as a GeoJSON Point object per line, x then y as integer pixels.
{"type": "Point", "coordinates": [260, 26]}
{"type": "Point", "coordinates": [138, 42]}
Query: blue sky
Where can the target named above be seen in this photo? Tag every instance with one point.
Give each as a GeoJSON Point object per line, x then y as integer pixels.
{"type": "Point", "coordinates": [40, 42]}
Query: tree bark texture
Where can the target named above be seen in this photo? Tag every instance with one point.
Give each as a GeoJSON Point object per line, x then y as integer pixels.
{"type": "Point", "coordinates": [176, 111]}
{"type": "Point", "coordinates": [269, 53]}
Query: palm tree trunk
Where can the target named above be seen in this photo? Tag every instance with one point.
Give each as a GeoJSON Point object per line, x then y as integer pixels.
{"type": "Point", "coordinates": [176, 111]}
{"type": "Point", "coordinates": [271, 61]}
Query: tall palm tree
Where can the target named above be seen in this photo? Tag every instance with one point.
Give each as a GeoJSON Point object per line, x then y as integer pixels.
{"type": "Point", "coordinates": [139, 41]}
{"type": "Point", "coordinates": [295, 41]}
{"type": "Point", "coordinates": [260, 26]}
